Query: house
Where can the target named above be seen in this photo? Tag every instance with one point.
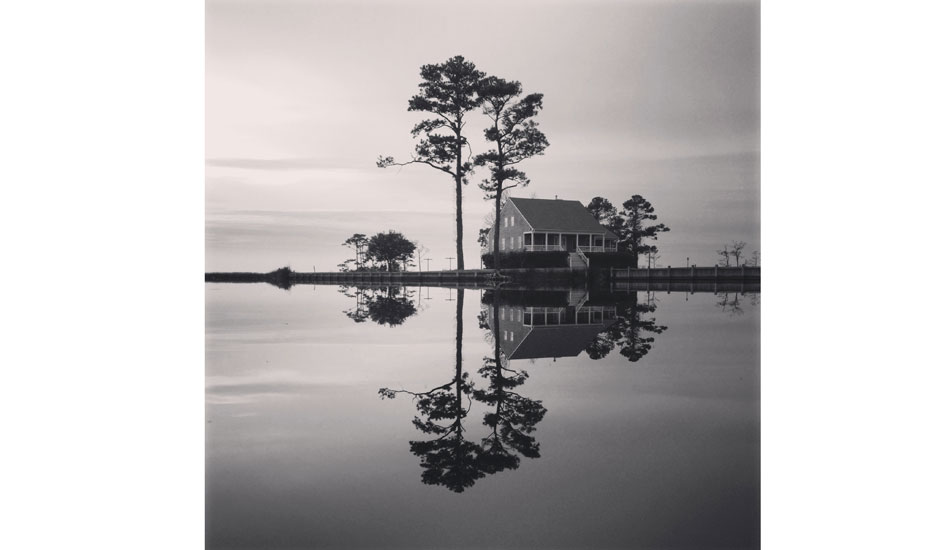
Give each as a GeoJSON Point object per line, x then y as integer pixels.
{"type": "Point", "coordinates": [557, 329]}
{"type": "Point", "coordinates": [534, 225]}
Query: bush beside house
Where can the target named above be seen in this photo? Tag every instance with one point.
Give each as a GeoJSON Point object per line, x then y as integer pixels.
{"type": "Point", "coordinates": [524, 260]}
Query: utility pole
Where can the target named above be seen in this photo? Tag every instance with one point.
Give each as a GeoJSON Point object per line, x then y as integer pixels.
{"type": "Point", "coordinates": [427, 263]}
{"type": "Point", "coordinates": [450, 258]}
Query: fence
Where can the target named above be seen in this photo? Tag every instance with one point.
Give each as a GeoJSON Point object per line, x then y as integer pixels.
{"type": "Point", "coordinates": [685, 273]}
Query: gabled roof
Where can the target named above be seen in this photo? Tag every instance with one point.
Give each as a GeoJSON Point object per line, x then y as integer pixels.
{"type": "Point", "coordinates": [559, 215]}
{"type": "Point", "coordinates": [556, 341]}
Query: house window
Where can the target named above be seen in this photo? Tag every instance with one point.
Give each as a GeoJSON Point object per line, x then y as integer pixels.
{"type": "Point", "coordinates": [502, 243]}
{"type": "Point", "coordinates": [527, 239]}
{"type": "Point", "coordinates": [519, 242]}
{"type": "Point", "coordinates": [511, 242]}
{"type": "Point", "coordinates": [502, 314]}
{"type": "Point", "coordinates": [506, 222]}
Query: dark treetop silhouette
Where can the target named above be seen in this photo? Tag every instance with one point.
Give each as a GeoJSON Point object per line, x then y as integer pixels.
{"type": "Point", "coordinates": [448, 91]}
{"type": "Point", "coordinates": [514, 136]}
{"type": "Point", "coordinates": [630, 224]}
{"type": "Point", "coordinates": [386, 306]}
{"type": "Point", "coordinates": [451, 460]}
{"type": "Point", "coordinates": [630, 330]}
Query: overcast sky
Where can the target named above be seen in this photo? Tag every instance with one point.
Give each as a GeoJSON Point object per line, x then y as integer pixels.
{"type": "Point", "coordinates": [656, 98]}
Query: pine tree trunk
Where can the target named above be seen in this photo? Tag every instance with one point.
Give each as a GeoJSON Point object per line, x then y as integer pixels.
{"type": "Point", "coordinates": [458, 197]}
{"type": "Point", "coordinates": [458, 222]}
{"type": "Point", "coordinates": [497, 256]}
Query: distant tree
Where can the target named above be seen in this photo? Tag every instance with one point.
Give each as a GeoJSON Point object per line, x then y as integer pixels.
{"type": "Point", "coordinates": [358, 243]}
{"type": "Point", "coordinates": [483, 236]}
{"type": "Point", "coordinates": [635, 231]}
{"type": "Point", "coordinates": [606, 213]}
{"type": "Point", "coordinates": [754, 259]}
{"type": "Point", "coordinates": [653, 256]}
{"type": "Point", "coordinates": [421, 251]}
{"type": "Point", "coordinates": [390, 249]}
{"type": "Point", "coordinates": [448, 90]}
{"type": "Point", "coordinates": [514, 136]}
{"type": "Point", "coordinates": [724, 254]}
{"type": "Point", "coordinates": [601, 209]}
{"type": "Point", "coordinates": [346, 265]}
{"type": "Point", "coordinates": [485, 232]}
{"type": "Point", "coordinates": [736, 251]}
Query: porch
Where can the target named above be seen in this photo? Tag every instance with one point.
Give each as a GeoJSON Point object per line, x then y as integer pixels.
{"type": "Point", "coordinates": [584, 242]}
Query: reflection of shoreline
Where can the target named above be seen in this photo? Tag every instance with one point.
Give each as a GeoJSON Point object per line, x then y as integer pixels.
{"type": "Point", "coordinates": [685, 279]}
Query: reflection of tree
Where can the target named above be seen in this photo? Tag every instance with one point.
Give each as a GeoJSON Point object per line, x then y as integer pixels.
{"type": "Point", "coordinates": [514, 416]}
{"type": "Point", "coordinates": [449, 459]}
{"type": "Point", "coordinates": [386, 306]}
{"type": "Point", "coordinates": [631, 332]}
{"type": "Point", "coordinates": [733, 305]}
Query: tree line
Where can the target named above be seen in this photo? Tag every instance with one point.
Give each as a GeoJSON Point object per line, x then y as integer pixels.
{"type": "Point", "coordinates": [389, 251]}
{"type": "Point", "coordinates": [727, 253]}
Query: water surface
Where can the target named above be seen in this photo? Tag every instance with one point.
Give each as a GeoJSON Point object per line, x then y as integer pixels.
{"type": "Point", "coordinates": [437, 418]}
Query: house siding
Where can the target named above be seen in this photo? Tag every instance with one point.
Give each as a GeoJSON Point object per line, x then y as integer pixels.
{"type": "Point", "coordinates": [514, 233]}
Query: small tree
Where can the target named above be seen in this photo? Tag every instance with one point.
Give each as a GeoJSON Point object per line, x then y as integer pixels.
{"type": "Point", "coordinates": [390, 249]}
{"type": "Point", "coordinates": [736, 251]}
{"type": "Point", "coordinates": [358, 243]}
{"type": "Point", "coordinates": [635, 231]}
{"type": "Point", "coordinates": [448, 91]}
{"type": "Point", "coordinates": [653, 256]}
{"type": "Point", "coordinates": [514, 136]}
{"type": "Point", "coordinates": [754, 260]}
{"type": "Point", "coordinates": [724, 254]}
{"type": "Point", "coordinates": [421, 251]}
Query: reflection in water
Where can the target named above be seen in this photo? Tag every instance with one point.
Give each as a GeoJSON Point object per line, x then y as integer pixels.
{"type": "Point", "coordinates": [514, 416]}
{"type": "Point", "coordinates": [631, 332]}
{"type": "Point", "coordinates": [519, 325]}
{"type": "Point", "coordinates": [383, 305]}
{"type": "Point", "coordinates": [550, 325]}
{"type": "Point", "coordinates": [733, 305]}
{"type": "Point", "coordinates": [451, 460]}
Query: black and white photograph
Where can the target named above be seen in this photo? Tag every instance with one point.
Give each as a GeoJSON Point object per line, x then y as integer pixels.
{"type": "Point", "coordinates": [484, 275]}
{"type": "Point", "coordinates": [482, 278]}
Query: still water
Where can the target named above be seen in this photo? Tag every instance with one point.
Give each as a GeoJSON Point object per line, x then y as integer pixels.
{"type": "Point", "coordinates": [443, 418]}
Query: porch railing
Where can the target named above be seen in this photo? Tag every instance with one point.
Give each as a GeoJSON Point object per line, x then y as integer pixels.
{"type": "Point", "coordinates": [585, 248]}
{"type": "Point", "coordinates": [543, 247]}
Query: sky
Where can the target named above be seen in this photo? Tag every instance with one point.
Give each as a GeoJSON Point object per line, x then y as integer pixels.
{"type": "Point", "coordinates": [653, 98]}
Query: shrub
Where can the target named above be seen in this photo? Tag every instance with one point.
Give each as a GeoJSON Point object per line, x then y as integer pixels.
{"type": "Point", "coordinates": [611, 259]}
{"type": "Point", "coordinates": [522, 260]}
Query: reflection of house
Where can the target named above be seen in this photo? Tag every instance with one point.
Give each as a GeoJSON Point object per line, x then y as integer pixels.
{"type": "Point", "coordinates": [534, 225]}
{"type": "Point", "coordinates": [536, 332]}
